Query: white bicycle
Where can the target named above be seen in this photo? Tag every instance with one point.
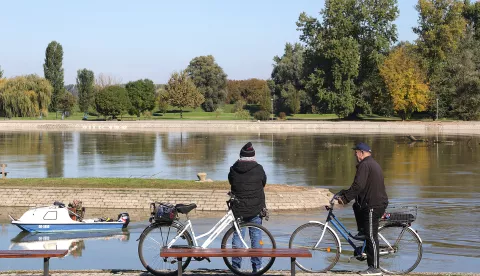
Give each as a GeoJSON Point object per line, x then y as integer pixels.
{"type": "Point", "coordinates": [166, 231]}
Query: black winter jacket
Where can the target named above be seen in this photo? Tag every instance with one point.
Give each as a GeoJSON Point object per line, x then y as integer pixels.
{"type": "Point", "coordinates": [368, 187]}
{"type": "Point", "coordinates": [247, 180]}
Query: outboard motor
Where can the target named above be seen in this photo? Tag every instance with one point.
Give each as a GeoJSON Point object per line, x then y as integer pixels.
{"type": "Point", "coordinates": [59, 204]}
{"type": "Point", "coordinates": [125, 218]}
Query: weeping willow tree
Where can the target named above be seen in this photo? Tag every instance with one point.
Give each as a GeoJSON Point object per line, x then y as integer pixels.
{"type": "Point", "coordinates": [25, 96]}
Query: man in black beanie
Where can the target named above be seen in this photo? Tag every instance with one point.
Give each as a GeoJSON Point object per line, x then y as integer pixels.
{"type": "Point", "coordinates": [247, 180]}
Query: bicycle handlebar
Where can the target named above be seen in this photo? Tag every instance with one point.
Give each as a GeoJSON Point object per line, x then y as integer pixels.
{"type": "Point", "coordinates": [231, 200]}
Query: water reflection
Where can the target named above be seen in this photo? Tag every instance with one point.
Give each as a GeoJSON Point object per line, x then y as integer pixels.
{"type": "Point", "coordinates": [441, 178]}
{"type": "Point", "coordinates": [299, 159]}
{"type": "Point", "coordinates": [73, 242]}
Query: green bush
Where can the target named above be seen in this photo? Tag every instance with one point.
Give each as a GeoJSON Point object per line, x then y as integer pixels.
{"type": "Point", "coordinates": [218, 112]}
{"type": "Point", "coordinates": [239, 105]}
{"type": "Point", "coordinates": [282, 115]}
{"type": "Point", "coordinates": [261, 115]}
{"type": "Point", "coordinates": [242, 114]}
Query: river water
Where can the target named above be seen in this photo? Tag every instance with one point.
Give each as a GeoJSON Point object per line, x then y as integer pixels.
{"type": "Point", "coordinates": [442, 179]}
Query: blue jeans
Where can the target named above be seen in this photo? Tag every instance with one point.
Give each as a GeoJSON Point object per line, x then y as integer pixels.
{"type": "Point", "coordinates": [255, 238]}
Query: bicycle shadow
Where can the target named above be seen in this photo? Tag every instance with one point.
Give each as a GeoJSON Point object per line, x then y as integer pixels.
{"type": "Point", "coordinates": [197, 272]}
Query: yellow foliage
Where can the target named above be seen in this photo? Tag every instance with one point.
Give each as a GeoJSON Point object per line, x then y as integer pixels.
{"type": "Point", "coordinates": [406, 82]}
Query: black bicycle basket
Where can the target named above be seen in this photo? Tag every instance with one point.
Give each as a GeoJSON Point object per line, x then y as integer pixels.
{"type": "Point", "coordinates": [163, 212]}
{"type": "Point", "coordinates": [400, 215]}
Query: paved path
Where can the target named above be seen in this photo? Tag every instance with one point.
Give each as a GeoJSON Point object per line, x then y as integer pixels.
{"type": "Point", "coordinates": [197, 272]}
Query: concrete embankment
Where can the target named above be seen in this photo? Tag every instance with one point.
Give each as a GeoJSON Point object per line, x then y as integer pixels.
{"type": "Point", "coordinates": [280, 199]}
{"type": "Point", "coordinates": [247, 126]}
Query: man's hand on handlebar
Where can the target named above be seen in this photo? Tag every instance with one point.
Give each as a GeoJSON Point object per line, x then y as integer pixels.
{"type": "Point", "coordinates": [342, 200]}
{"type": "Point", "coordinates": [340, 197]}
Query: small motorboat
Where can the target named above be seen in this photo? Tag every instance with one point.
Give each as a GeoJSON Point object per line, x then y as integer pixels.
{"type": "Point", "coordinates": [59, 218]}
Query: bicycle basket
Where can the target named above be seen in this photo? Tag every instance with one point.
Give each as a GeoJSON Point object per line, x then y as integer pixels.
{"type": "Point", "coordinates": [164, 213]}
{"type": "Point", "coordinates": [399, 215]}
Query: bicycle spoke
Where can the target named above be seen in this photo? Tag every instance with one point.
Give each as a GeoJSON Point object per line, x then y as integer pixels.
{"type": "Point", "coordinates": [405, 253]}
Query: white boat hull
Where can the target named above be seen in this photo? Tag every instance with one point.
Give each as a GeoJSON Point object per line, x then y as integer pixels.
{"type": "Point", "coordinates": [57, 218]}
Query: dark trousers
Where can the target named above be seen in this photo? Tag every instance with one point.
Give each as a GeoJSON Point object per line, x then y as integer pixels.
{"type": "Point", "coordinates": [368, 222]}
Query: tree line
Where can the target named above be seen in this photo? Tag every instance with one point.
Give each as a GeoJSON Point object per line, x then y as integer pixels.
{"type": "Point", "coordinates": [349, 62]}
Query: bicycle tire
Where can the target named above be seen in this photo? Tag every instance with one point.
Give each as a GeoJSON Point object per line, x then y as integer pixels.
{"type": "Point", "coordinates": [160, 235]}
{"type": "Point", "coordinates": [307, 236]}
{"type": "Point", "coordinates": [405, 250]}
{"type": "Point", "coordinates": [265, 243]}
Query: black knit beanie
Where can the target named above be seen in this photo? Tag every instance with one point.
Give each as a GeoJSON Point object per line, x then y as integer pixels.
{"type": "Point", "coordinates": [247, 150]}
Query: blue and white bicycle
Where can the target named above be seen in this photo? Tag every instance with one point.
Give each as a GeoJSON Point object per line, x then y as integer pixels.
{"type": "Point", "coordinates": [400, 245]}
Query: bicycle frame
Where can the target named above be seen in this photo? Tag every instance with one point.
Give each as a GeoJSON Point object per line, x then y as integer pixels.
{"type": "Point", "coordinates": [212, 233]}
{"type": "Point", "coordinates": [331, 218]}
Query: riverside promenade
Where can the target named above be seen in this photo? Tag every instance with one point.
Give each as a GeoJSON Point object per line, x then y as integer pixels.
{"type": "Point", "coordinates": [217, 126]}
{"type": "Point", "coordinates": [205, 272]}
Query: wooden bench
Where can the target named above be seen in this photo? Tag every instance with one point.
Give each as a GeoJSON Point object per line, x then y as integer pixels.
{"type": "Point", "coordinates": [180, 253]}
{"type": "Point", "coordinates": [45, 254]}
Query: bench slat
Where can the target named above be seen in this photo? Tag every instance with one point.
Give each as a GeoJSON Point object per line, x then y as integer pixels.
{"type": "Point", "coordinates": [32, 253]}
{"type": "Point", "coordinates": [235, 252]}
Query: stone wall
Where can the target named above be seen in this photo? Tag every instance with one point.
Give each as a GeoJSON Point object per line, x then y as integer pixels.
{"type": "Point", "coordinates": [125, 199]}
{"type": "Point", "coordinates": [247, 126]}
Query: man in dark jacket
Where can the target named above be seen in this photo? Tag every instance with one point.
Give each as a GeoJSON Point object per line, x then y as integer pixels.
{"type": "Point", "coordinates": [247, 180]}
{"type": "Point", "coordinates": [368, 190]}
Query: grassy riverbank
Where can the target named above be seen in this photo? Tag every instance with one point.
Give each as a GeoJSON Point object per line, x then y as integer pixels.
{"type": "Point", "coordinates": [226, 112]}
{"type": "Point", "coordinates": [129, 183]}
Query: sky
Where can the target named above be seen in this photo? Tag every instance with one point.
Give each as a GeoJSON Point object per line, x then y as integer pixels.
{"type": "Point", "coordinates": [132, 40]}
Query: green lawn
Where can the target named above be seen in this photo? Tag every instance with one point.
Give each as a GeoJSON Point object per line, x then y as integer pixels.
{"type": "Point", "coordinates": [225, 114]}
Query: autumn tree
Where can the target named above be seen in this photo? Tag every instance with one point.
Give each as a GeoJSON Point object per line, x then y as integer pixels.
{"type": "Point", "coordinates": [53, 70]}
{"type": "Point", "coordinates": [406, 82]}
{"type": "Point", "coordinates": [112, 101]}
{"type": "Point", "coordinates": [182, 93]}
{"type": "Point", "coordinates": [142, 96]}
{"type": "Point", "coordinates": [252, 91]}
{"type": "Point", "coordinates": [86, 89]}
{"type": "Point", "coordinates": [210, 80]}
{"type": "Point", "coordinates": [25, 96]}
{"type": "Point", "coordinates": [234, 91]}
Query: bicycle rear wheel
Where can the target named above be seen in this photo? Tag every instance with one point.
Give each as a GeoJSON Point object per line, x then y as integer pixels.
{"type": "Point", "coordinates": [153, 239]}
{"type": "Point", "coordinates": [255, 236]}
{"type": "Point", "coordinates": [325, 252]}
{"type": "Point", "coordinates": [400, 249]}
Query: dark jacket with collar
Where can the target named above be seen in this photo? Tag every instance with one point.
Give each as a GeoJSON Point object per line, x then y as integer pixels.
{"type": "Point", "coordinates": [247, 180]}
{"type": "Point", "coordinates": [368, 187]}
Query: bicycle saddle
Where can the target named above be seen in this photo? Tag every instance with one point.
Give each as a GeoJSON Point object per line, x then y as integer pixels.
{"type": "Point", "coordinates": [185, 208]}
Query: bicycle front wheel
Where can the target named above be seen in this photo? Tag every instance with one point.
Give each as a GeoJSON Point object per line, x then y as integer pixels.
{"type": "Point", "coordinates": [325, 250]}
{"type": "Point", "coordinates": [400, 249]}
{"type": "Point", "coordinates": [153, 239]}
{"type": "Point", "coordinates": [255, 236]}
